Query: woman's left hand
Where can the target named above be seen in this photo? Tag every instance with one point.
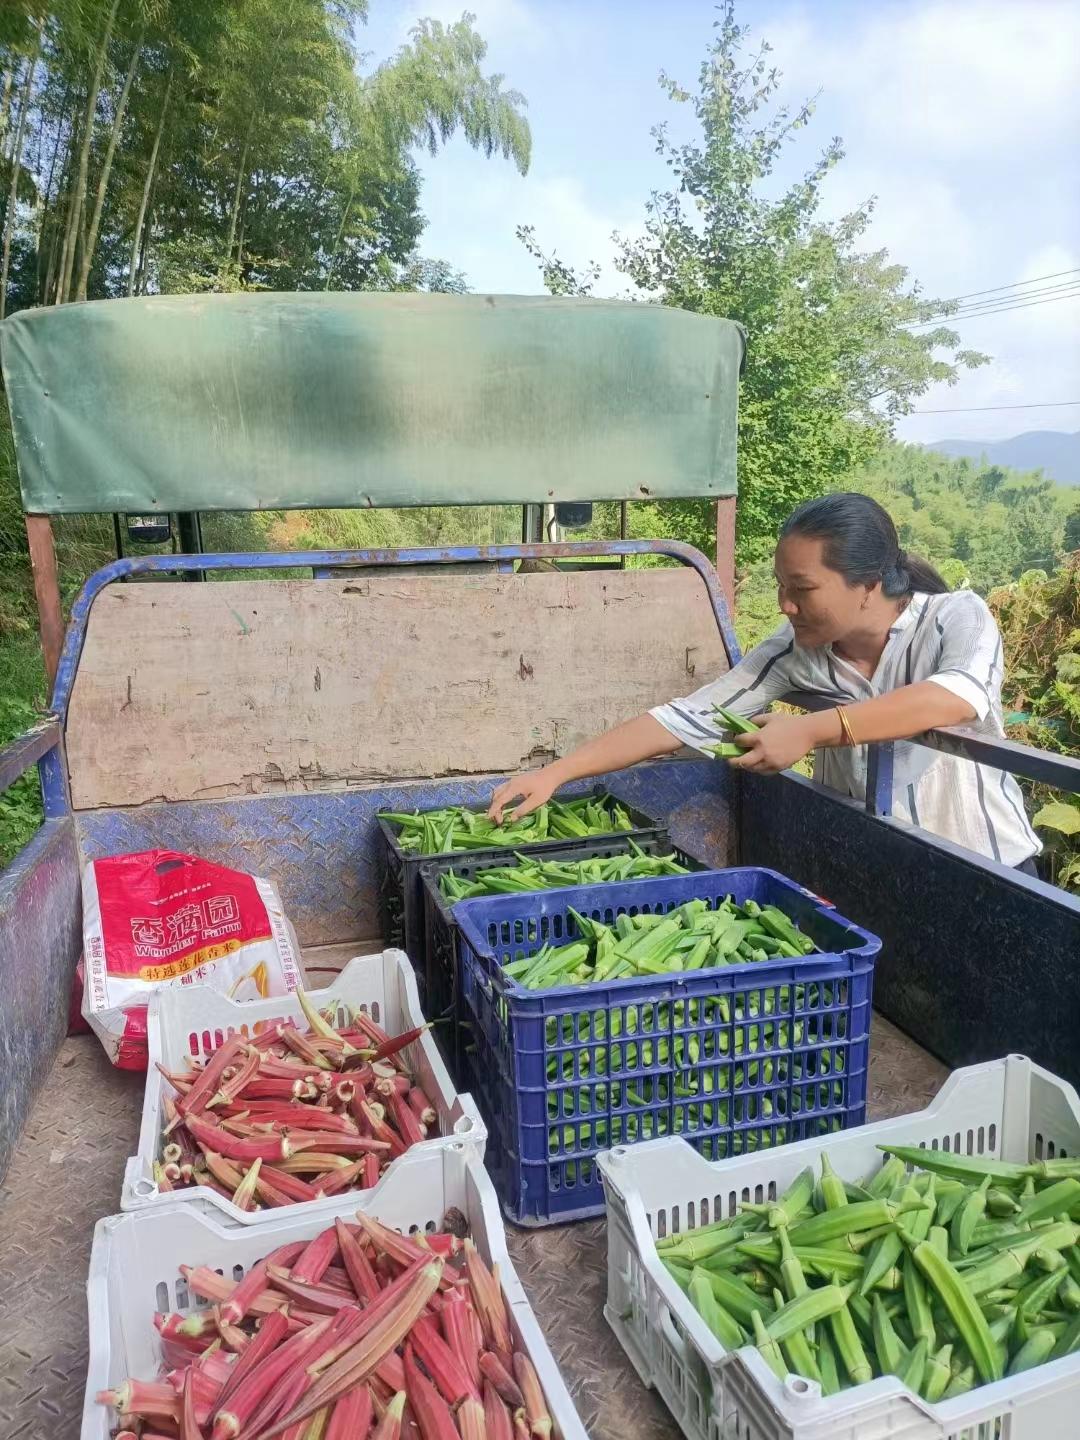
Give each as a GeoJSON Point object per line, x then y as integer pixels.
{"type": "Point", "coordinates": [781, 742]}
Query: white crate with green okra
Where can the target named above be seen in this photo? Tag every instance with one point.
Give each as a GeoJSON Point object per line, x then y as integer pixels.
{"type": "Point", "coordinates": [915, 1357]}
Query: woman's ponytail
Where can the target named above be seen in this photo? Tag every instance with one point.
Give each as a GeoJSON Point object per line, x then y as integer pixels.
{"type": "Point", "coordinates": [860, 542]}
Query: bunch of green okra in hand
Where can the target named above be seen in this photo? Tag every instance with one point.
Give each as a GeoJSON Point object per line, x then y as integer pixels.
{"type": "Point", "coordinates": [946, 1270]}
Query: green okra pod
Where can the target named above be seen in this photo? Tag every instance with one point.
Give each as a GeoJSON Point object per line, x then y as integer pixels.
{"type": "Point", "coordinates": [962, 1307]}
{"type": "Point", "coordinates": [833, 1193]}
{"type": "Point", "coordinates": [849, 1346]}
{"type": "Point", "coordinates": [937, 1374]}
{"type": "Point", "coordinates": [797, 1349]}
{"type": "Point", "coordinates": [970, 1168]}
{"type": "Point", "coordinates": [887, 1346]}
{"type": "Point", "coordinates": [832, 1224]}
{"type": "Point", "coordinates": [807, 1309]}
{"type": "Point", "coordinates": [962, 1383]}
{"type": "Point", "coordinates": [723, 1326]}
{"type": "Point", "coordinates": [914, 1366]}
{"type": "Point", "coordinates": [1036, 1349]}
{"type": "Point", "coordinates": [917, 1302]}
{"type": "Point", "coordinates": [769, 1348]}
{"type": "Point", "coordinates": [793, 1200]}
{"type": "Point", "coordinates": [827, 1367]}
{"type": "Point", "coordinates": [1056, 1199]}
{"type": "Point", "coordinates": [968, 1216]}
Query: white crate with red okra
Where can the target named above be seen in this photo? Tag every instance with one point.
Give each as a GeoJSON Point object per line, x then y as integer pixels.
{"type": "Point", "coordinates": [328, 1324]}
{"type": "Point", "coordinates": [251, 1108]}
{"type": "Point", "coordinates": [1009, 1110]}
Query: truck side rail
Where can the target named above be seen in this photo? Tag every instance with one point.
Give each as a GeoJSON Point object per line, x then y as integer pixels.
{"type": "Point", "coordinates": [1060, 771]}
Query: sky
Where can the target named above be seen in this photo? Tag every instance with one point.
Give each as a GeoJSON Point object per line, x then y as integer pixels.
{"type": "Point", "coordinates": [960, 116]}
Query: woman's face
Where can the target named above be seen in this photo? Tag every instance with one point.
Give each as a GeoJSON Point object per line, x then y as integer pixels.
{"type": "Point", "coordinates": [820, 604]}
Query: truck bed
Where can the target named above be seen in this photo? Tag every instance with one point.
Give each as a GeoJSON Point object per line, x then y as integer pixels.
{"type": "Point", "coordinates": [66, 1174]}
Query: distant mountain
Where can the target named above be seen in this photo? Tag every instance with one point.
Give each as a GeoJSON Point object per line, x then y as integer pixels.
{"type": "Point", "coordinates": [1054, 452]}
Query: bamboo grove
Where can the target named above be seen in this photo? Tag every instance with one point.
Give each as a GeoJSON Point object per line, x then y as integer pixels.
{"type": "Point", "coordinates": [151, 146]}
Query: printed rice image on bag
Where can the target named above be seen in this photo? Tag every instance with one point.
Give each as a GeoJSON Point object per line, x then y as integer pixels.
{"type": "Point", "coordinates": [162, 918]}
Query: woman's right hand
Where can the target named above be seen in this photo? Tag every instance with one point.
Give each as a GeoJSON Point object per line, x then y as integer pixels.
{"type": "Point", "coordinates": [531, 790]}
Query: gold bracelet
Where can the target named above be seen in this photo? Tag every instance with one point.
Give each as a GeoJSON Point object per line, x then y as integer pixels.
{"type": "Point", "coordinates": [845, 726]}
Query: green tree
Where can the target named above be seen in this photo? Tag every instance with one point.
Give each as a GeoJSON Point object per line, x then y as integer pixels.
{"type": "Point", "coordinates": [832, 358]}
{"type": "Point", "coordinates": [1072, 531]}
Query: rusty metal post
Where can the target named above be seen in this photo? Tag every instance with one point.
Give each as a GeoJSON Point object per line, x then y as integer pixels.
{"type": "Point", "coordinates": [46, 590]}
{"type": "Point", "coordinates": [725, 548]}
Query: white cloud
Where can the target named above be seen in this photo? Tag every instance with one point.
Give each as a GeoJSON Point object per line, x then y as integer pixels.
{"type": "Point", "coordinates": [1036, 358]}
{"type": "Point", "coordinates": [956, 75]}
{"type": "Point", "coordinates": [496, 20]}
{"type": "Point", "coordinates": [961, 116]}
{"type": "Point", "coordinates": [496, 201]}
{"type": "Point", "coordinates": [921, 219]}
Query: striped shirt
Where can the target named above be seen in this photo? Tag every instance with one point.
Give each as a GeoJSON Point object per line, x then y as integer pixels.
{"type": "Point", "coordinates": [950, 639]}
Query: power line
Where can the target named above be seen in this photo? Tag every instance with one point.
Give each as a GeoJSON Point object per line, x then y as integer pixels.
{"type": "Point", "coordinates": [1004, 296]}
{"type": "Point", "coordinates": [976, 314]}
{"type": "Point", "coordinates": [1035, 280]}
{"type": "Point", "coordinates": [1051, 292]}
{"type": "Point", "coordinates": [975, 306]}
{"type": "Point", "coordinates": [970, 409]}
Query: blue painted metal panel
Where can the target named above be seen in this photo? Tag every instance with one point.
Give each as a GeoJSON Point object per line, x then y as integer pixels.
{"type": "Point", "coordinates": [1062, 771]}
{"type": "Point", "coordinates": [25, 749]}
{"type": "Point", "coordinates": [321, 849]}
{"type": "Point", "coordinates": [879, 779]}
{"type": "Point", "coordinates": [40, 944]}
{"type": "Point", "coordinates": [43, 744]}
{"type": "Point", "coordinates": [977, 960]}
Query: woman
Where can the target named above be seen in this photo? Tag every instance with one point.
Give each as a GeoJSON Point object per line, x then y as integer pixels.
{"type": "Point", "coordinates": [876, 632]}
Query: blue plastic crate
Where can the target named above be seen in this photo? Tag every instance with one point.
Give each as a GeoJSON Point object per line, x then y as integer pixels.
{"type": "Point", "coordinates": [442, 992]}
{"type": "Point", "coordinates": [735, 1058]}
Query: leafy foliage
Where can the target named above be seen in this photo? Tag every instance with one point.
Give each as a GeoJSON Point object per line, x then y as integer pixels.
{"type": "Point", "coordinates": [995, 522]}
{"type": "Point", "coordinates": [1039, 616]}
{"type": "Point", "coordinates": [20, 805]}
{"type": "Point", "coordinates": [832, 357]}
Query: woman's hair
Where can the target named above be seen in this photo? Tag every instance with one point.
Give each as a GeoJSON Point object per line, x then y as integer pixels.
{"type": "Point", "coordinates": [861, 544]}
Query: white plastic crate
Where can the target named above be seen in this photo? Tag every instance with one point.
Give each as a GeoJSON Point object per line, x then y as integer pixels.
{"type": "Point", "coordinates": [194, 1021]}
{"type": "Point", "coordinates": [1009, 1108]}
{"type": "Point", "coordinates": [134, 1268]}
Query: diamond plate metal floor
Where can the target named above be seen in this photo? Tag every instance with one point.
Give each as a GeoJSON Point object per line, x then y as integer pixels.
{"type": "Point", "coordinates": [67, 1172]}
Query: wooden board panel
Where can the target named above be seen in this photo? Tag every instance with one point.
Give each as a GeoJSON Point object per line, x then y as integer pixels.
{"type": "Point", "coordinates": [201, 691]}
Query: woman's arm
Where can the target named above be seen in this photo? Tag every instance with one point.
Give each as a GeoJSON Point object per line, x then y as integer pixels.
{"type": "Point", "coordinates": [912, 710]}
{"type": "Point", "coordinates": [758, 678]}
{"type": "Point", "coordinates": [640, 739]}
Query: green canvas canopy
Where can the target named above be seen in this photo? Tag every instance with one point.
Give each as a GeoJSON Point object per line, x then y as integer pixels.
{"type": "Point", "coordinates": [277, 401]}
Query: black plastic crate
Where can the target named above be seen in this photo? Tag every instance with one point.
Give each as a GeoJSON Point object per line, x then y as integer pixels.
{"type": "Point", "coordinates": [441, 988]}
{"type": "Point", "coordinates": [401, 905]}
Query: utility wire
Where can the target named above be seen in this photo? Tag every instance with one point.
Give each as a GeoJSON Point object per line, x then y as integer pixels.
{"type": "Point", "coordinates": [1011, 296]}
{"type": "Point", "coordinates": [975, 314]}
{"type": "Point", "coordinates": [1037, 279]}
{"type": "Point", "coordinates": [970, 409]}
{"type": "Point", "coordinates": [976, 305]}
